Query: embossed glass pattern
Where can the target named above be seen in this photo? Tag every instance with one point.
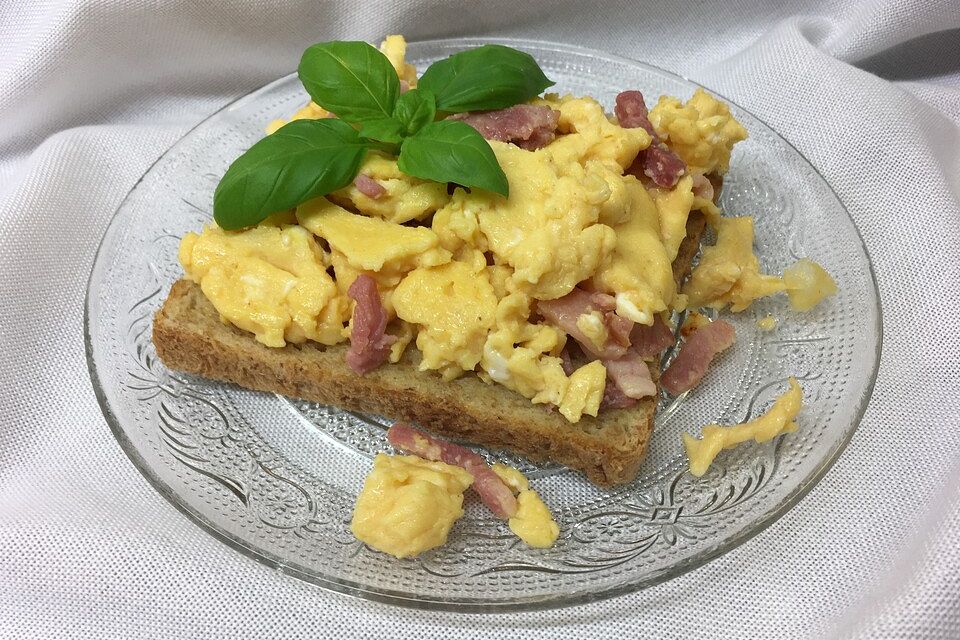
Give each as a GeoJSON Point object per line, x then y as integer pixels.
{"type": "Point", "coordinates": [276, 478]}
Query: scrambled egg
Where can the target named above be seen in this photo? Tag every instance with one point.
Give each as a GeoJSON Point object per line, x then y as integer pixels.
{"type": "Point", "coordinates": [779, 419]}
{"type": "Point", "coordinates": [460, 274]}
{"type": "Point", "coordinates": [372, 244]}
{"type": "Point", "coordinates": [807, 283]}
{"type": "Point", "coordinates": [395, 48]}
{"type": "Point", "coordinates": [673, 208]}
{"type": "Point", "coordinates": [405, 198]}
{"type": "Point", "coordinates": [268, 280]}
{"type": "Point", "coordinates": [767, 323]}
{"type": "Point", "coordinates": [547, 230]}
{"type": "Point", "coordinates": [532, 523]}
{"type": "Point", "coordinates": [702, 131]}
{"type": "Point", "coordinates": [408, 504]}
{"type": "Point", "coordinates": [639, 272]}
{"type": "Point", "coordinates": [454, 306]}
{"type": "Point", "coordinates": [729, 273]}
{"type": "Point", "coordinates": [525, 357]}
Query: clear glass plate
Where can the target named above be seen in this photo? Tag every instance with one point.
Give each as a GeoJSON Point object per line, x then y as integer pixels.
{"type": "Point", "coordinates": [276, 479]}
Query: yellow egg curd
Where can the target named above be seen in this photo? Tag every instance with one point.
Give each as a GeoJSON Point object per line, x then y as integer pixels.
{"type": "Point", "coordinates": [779, 419]}
{"type": "Point", "coordinates": [460, 271]}
{"type": "Point", "coordinates": [533, 522]}
{"type": "Point", "coordinates": [408, 504]}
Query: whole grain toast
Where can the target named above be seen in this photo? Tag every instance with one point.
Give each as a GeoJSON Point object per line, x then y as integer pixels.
{"type": "Point", "coordinates": [189, 336]}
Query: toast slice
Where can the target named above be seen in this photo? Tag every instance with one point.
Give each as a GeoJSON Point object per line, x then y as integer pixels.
{"type": "Point", "coordinates": [189, 336]}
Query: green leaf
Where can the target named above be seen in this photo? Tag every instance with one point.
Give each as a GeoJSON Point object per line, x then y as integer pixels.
{"type": "Point", "coordinates": [382, 129]}
{"type": "Point", "coordinates": [302, 160]}
{"type": "Point", "coordinates": [450, 151]}
{"type": "Point", "coordinates": [489, 77]}
{"type": "Point", "coordinates": [352, 79]}
{"type": "Point", "coordinates": [414, 109]}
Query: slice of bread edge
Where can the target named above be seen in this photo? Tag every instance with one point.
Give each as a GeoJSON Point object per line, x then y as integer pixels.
{"type": "Point", "coordinates": [189, 336]}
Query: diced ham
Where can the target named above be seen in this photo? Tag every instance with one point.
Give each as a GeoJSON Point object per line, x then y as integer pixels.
{"type": "Point", "coordinates": [618, 327]}
{"type": "Point", "coordinates": [528, 126]}
{"type": "Point", "coordinates": [631, 375]}
{"type": "Point", "coordinates": [657, 162]}
{"type": "Point", "coordinates": [695, 356]}
{"type": "Point", "coordinates": [369, 342]}
{"type": "Point", "coordinates": [567, 360]}
{"type": "Point", "coordinates": [660, 164]}
{"type": "Point", "coordinates": [540, 138]}
{"type": "Point", "coordinates": [492, 490]}
{"type": "Point", "coordinates": [631, 112]}
{"type": "Point", "coordinates": [649, 341]}
{"type": "Point", "coordinates": [368, 186]}
{"type": "Point", "coordinates": [702, 187]}
{"type": "Point", "coordinates": [603, 301]}
{"type": "Point", "coordinates": [614, 398]}
{"type": "Point", "coordinates": [404, 86]}
{"type": "Point", "coordinates": [563, 313]}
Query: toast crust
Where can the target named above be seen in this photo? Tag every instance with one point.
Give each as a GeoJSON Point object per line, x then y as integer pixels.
{"type": "Point", "coordinates": [189, 336]}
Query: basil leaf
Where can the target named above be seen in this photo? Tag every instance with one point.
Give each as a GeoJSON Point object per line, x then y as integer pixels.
{"type": "Point", "coordinates": [382, 129]}
{"type": "Point", "coordinates": [301, 160]}
{"type": "Point", "coordinates": [414, 109]}
{"type": "Point", "coordinates": [352, 79]}
{"type": "Point", "coordinates": [489, 77]}
{"type": "Point", "coordinates": [450, 151]}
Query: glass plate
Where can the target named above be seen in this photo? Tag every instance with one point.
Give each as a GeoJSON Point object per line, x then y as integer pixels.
{"type": "Point", "coordinates": [276, 479]}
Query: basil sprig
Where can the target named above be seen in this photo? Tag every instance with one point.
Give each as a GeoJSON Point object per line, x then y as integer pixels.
{"type": "Point", "coordinates": [351, 79]}
{"type": "Point", "coordinates": [451, 151]}
{"type": "Point", "coordinates": [303, 159]}
{"type": "Point", "coordinates": [489, 77]}
{"type": "Point", "coordinates": [306, 159]}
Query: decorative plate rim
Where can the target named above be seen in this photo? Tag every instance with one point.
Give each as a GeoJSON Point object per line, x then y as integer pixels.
{"type": "Point", "coordinates": [468, 605]}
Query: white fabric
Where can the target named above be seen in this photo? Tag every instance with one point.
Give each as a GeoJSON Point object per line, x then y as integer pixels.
{"type": "Point", "coordinates": [92, 93]}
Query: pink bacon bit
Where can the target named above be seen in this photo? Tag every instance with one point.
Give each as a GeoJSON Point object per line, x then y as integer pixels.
{"type": "Point", "coordinates": [369, 342]}
{"type": "Point", "coordinates": [492, 490]}
{"type": "Point", "coordinates": [368, 186]}
{"type": "Point", "coordinates": [528, 126]}
{"type": "Point", "coordinates": [696, 354]}
{"type": "Point", "coordinates": [702, 187]}
{"type": "Point", "coordinates": [657, 162]}
{"type": "Point", "coordinates": [631, 375]}
{"type": "Point", "coordinates": [631, 112]}
{"type": "Point", "coordinates": [660, 164]}
{"type": "Point", "coordinates": [563, 313]}
{"type": "Point", "coordinates": [650, 341]}
{"type": "Point", "coordinates": [614, 398]}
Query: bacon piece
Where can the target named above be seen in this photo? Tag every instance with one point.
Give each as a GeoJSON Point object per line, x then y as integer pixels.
{"type": "Point", "coordinates": [657, 162]}
{"type": "Point", "coordinates": [567, 360]}
{"type": "Point", "coordinates": [368, 186]}
{"type": "Point", "coordinates": [528, 126]}
{"type": "Point", "coordinates": [492, 490]}
{"type": "Point", "coordinates": [660, 164]}
{"type": "Point", "coordinates": [631, 112]}
{"type": "Point", "coordinates": [369, 344]}
{"type": "Point", "coordinates": [695, 356]}
{"type": "Point", "coordinates": [603, 301]}
{"type": "Point", "coordinates": [540, 138]}
{"type": "Point", "coordinates": [618, 327]}
{"type": "Point", "coordinates": [563, 313]}
{"type": "Point", "coordinates": [702, 187]}
{"type": "Point", "coordinates": [651, 341]}
{"type": "Point", "coordinates": [614, 398]}
{"type": "Point", "coordinates": [631, 375]}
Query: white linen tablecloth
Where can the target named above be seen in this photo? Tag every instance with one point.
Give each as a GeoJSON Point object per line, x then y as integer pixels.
{"type": "Point", "coordinates": [92, 92]}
